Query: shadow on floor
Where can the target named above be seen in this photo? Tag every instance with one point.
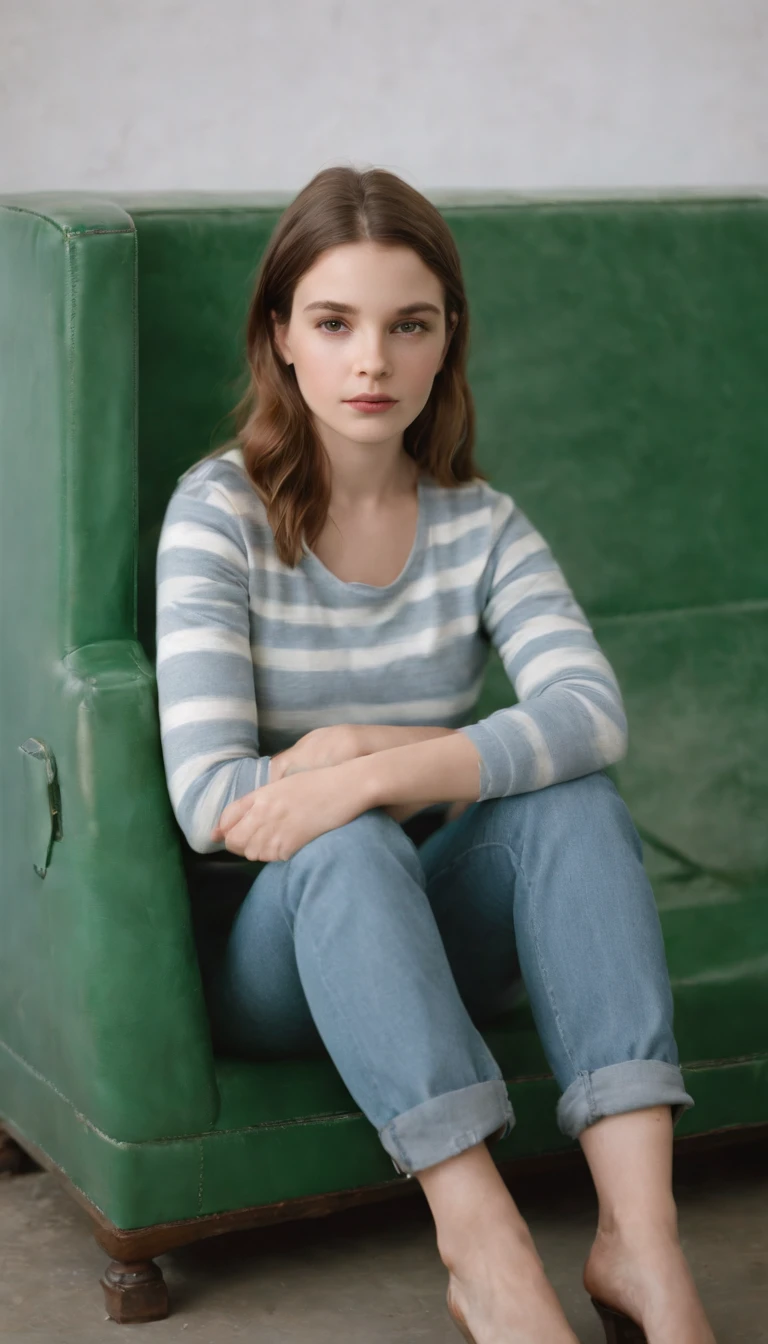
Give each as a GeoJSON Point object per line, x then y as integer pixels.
{"type": "Point", "coordinates": [370, 1275]}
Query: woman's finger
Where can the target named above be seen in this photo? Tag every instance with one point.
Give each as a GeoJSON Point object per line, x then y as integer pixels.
{"type": "Point", "coordinates": [233, 812]}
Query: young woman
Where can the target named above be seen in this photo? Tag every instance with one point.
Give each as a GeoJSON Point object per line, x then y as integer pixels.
{"type": "Point", "coordinates": [327, 589]}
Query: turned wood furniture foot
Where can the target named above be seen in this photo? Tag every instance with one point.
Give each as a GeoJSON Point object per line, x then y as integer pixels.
{"type": "Point", "coordinates": [135, 1290]}
{"type": "Point", "coordinates": [13, 1159]}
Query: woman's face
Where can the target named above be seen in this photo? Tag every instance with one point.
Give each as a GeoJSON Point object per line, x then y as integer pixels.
{"type": "Point", "coordinates": [346, 336]}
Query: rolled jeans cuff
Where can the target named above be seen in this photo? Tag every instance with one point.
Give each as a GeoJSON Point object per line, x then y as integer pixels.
{"type": "Point", "coordinates": [630, 1086]}
{"type": "Point", "coordinates": [444, 1126]}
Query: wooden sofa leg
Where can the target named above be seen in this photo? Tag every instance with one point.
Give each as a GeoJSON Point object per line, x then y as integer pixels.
{"type": "Point", "coordinates": [134, 1291]}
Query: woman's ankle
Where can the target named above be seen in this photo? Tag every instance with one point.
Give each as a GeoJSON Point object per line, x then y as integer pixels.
{"type": "Point", "coordinates": [472, 1208]}
{"type": "Point", "coordinates": [639, 1225]}
{"type": "Point", "coordinates": [476, 1247]}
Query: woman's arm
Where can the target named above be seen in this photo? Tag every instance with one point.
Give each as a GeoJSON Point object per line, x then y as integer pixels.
{"type": "Point", "coordinates": [207, 704]}
{"type": "Point", "coordinates": [381, 737]}
{"type": "Point", "coordinates": [436, 771]}
{"type": "Point", "coordinates": [569, 719]}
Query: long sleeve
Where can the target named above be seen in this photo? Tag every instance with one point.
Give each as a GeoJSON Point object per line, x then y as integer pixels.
{"type": "Point", "coordinates": [570, 718]}
{"type": "Point", "coordinates": [207, 702]}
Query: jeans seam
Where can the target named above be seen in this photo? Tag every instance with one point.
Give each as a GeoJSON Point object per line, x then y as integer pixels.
{"type": "Point", "coordinates": [394, 1136]}
{"type": "Point", "coordinates": [543, 974]}
{"type": "Point", "coordinates": [507, 847]}
{"type": "Point", "coordinates": [590, 1091]}
{"type": "Point", "coordinates": [483, 844]}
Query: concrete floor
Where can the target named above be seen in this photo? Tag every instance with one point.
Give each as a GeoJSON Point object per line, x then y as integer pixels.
{"type": "Point", "coordinates": [368, 1275]}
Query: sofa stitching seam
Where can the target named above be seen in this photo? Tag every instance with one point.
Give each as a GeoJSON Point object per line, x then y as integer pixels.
{"type": "Point", "coordinates": [332, 1116]}
{"type": "Point", "coordinates": [118, 1143]}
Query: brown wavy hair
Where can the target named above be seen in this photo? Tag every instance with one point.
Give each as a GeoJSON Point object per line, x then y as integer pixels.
{"type": "Point", "coordinates": [283, 453]}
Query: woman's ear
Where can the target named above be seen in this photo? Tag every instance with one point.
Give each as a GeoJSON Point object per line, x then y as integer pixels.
{"type": "Point", "coordinates": [278, 334]}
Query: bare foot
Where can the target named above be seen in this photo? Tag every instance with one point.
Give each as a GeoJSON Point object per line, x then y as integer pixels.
{"type": "Point", "coordinates": [503, 1296]}
{"type": "Point", "coordinates": [648, 1278]}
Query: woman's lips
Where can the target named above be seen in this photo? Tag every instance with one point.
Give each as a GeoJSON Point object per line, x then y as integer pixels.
{"type": "Point", "coordinates": [372, 407]}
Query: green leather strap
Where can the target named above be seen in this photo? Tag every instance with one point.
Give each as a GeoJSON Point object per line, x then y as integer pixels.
{"type": "Point", "coordinates": [42, 802]}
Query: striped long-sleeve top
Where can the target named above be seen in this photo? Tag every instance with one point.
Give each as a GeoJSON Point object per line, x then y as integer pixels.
{"type": "Point", "coordinates": [252, 654]}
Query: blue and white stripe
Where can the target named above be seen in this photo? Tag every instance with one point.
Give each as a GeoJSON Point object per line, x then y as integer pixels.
{"type": "Point", "coordinates": [252, 654]}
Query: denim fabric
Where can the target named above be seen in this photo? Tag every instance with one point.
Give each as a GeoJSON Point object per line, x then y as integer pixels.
{"type": "Point", "coordinates": [387, 956]}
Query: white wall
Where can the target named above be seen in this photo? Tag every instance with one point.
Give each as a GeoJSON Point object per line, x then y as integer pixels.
{"type": "Point", "coordinates": [245, 95]}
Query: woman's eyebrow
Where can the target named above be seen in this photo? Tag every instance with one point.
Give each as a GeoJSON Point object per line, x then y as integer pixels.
{"type": "Point", "coordinates": [400, 312]}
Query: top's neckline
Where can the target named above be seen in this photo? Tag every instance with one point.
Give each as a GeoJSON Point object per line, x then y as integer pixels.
{"type": "Point", "coordinates": [314, 563]}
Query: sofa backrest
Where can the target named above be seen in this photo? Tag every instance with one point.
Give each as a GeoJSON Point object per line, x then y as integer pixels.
{"type": "Point", "coordinates": [618, 361]}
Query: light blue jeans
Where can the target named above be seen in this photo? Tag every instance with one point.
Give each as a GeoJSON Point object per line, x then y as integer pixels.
{"type": "Point", "coordinates": [386, 956]}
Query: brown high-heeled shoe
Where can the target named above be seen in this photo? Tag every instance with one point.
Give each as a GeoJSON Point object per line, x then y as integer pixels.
{"type": "Point", "coordinates": [619, 1329]}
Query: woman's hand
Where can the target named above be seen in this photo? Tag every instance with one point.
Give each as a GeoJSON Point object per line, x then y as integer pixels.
{"type": "Point", "coordinates": [318, 749]}
{"type": "Point", "coordinates": [333, 745]}
{"type": "Point", "coordinates": [275, 820]}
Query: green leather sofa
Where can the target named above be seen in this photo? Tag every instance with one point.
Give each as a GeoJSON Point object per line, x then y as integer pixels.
{"type": "Point", "coordinates": [618, 359]}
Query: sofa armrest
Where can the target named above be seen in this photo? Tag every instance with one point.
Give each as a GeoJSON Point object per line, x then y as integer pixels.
{"type": "Point", "coordinates": [113, 1001]}
{"type": "Point", "coordinates": [100, 991]}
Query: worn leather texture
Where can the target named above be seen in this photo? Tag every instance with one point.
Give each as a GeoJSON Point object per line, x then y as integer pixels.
{"type": "Point", "coordinates": [618, 358]}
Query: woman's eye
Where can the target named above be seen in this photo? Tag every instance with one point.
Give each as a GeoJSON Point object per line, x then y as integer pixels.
{"type": "Point", "coordinates": [337, 320]}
